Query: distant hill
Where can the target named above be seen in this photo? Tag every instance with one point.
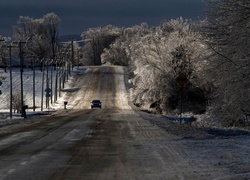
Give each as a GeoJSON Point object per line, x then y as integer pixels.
{"type": "Point", "coordinates": [66, 38]}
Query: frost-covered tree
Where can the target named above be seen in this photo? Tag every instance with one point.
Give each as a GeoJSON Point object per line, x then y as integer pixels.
{"type": "Point", "coordinates": [228, 32]}
{"type": "Point", "coordinates": [131, 36]}
{"type": "Point", "coordinates": [4, 52]}
{"type": "Point", "coordinates": [41, 35]}
{"type": "Point", "coordinates": [52, 22]}
{"type": "Point", "coordinates": [159, 55]}
{"type": "Point", "coordinates": [115, 54]}
{"type": "Point", "coordinates": [97, 39]}
{"type": "Point", "coordinates": [120, 51]}
{"type": "Point", "coordinates": [16, 101]}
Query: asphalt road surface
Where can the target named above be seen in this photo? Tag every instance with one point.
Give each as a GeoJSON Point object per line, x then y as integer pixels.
{"type": "Point", "coordinates": [117, 141]}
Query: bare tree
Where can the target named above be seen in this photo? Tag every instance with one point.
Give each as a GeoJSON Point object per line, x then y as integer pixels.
{"type": "Point", "coordinates": [228, 34]}
{"type": "Point", "coordinates": [16, 101]}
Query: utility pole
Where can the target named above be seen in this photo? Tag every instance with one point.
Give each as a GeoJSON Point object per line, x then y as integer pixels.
{"type": "Point", "coordinates": [21, 72]}
{"type": "Point", "coordinates": [42, 84]}
{"type": "Point", "coordinates": [67, 66]}
{"type": "Point", "coordinates": [56, 79]}
{"type": "Point", "coordinates": [10, 64]}
{"type": "Point", "coordinates": [60, 73]}
{"type": "Point", "coordinates": [0, 79]}
{"type": "Point", "coordinates": [47, 84]}
{"type": "Point", "coordinates": [72, 53]}
{"type": "Point", "coordinates": [34, 84]}
{"type": "Point", "coordinates": [51, 79]}
{"type": "Point", "coordinates": [11, 87]}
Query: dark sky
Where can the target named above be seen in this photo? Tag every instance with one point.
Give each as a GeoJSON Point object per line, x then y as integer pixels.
{"type": "Point", "coordinates": [79, 15]}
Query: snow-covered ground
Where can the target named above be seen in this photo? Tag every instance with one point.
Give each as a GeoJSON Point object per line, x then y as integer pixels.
{"type": "Point", "coordinates": [28, 90]}
{"type": "Point", "coordinates": [134, 143]}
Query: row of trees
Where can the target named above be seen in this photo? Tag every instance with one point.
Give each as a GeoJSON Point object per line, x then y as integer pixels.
{"type": "Point", "coordinates": [41, 34]}
{"type": "Point", "coordinates": [156, 57]}
{"type": "Point", "coordinates": [200, 63]}
{"type": "Point", "coordinates": [227, 33]}
{"type": "Point", "coordinates": [35, 42]}
{"type": "Point", "coordinates": [38, 38]}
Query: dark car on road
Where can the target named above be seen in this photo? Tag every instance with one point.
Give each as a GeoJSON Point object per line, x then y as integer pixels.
{"type": "Point", "coordinates": [96, 103]}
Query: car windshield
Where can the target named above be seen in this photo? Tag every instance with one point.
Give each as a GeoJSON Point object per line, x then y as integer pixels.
{"type": "Point", "coordinates": [96, 101]}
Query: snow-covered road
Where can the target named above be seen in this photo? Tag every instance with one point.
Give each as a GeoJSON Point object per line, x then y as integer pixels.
{"type": "Point", "coordinates": [118, 141]}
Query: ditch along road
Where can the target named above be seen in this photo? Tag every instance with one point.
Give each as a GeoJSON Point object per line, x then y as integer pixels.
{"type": "Point", "coordinates": [117, 141]}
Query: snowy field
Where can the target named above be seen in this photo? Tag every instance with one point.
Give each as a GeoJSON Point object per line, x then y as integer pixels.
{"type": "Point", "coordinates": [28, 90]}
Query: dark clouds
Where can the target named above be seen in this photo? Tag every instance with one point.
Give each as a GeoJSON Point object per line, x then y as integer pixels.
{"type": "Point", "coordinates": [79, 15]}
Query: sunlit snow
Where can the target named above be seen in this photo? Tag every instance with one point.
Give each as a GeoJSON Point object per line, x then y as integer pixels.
{"type": "Point", "coordinates": [28, 90]}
